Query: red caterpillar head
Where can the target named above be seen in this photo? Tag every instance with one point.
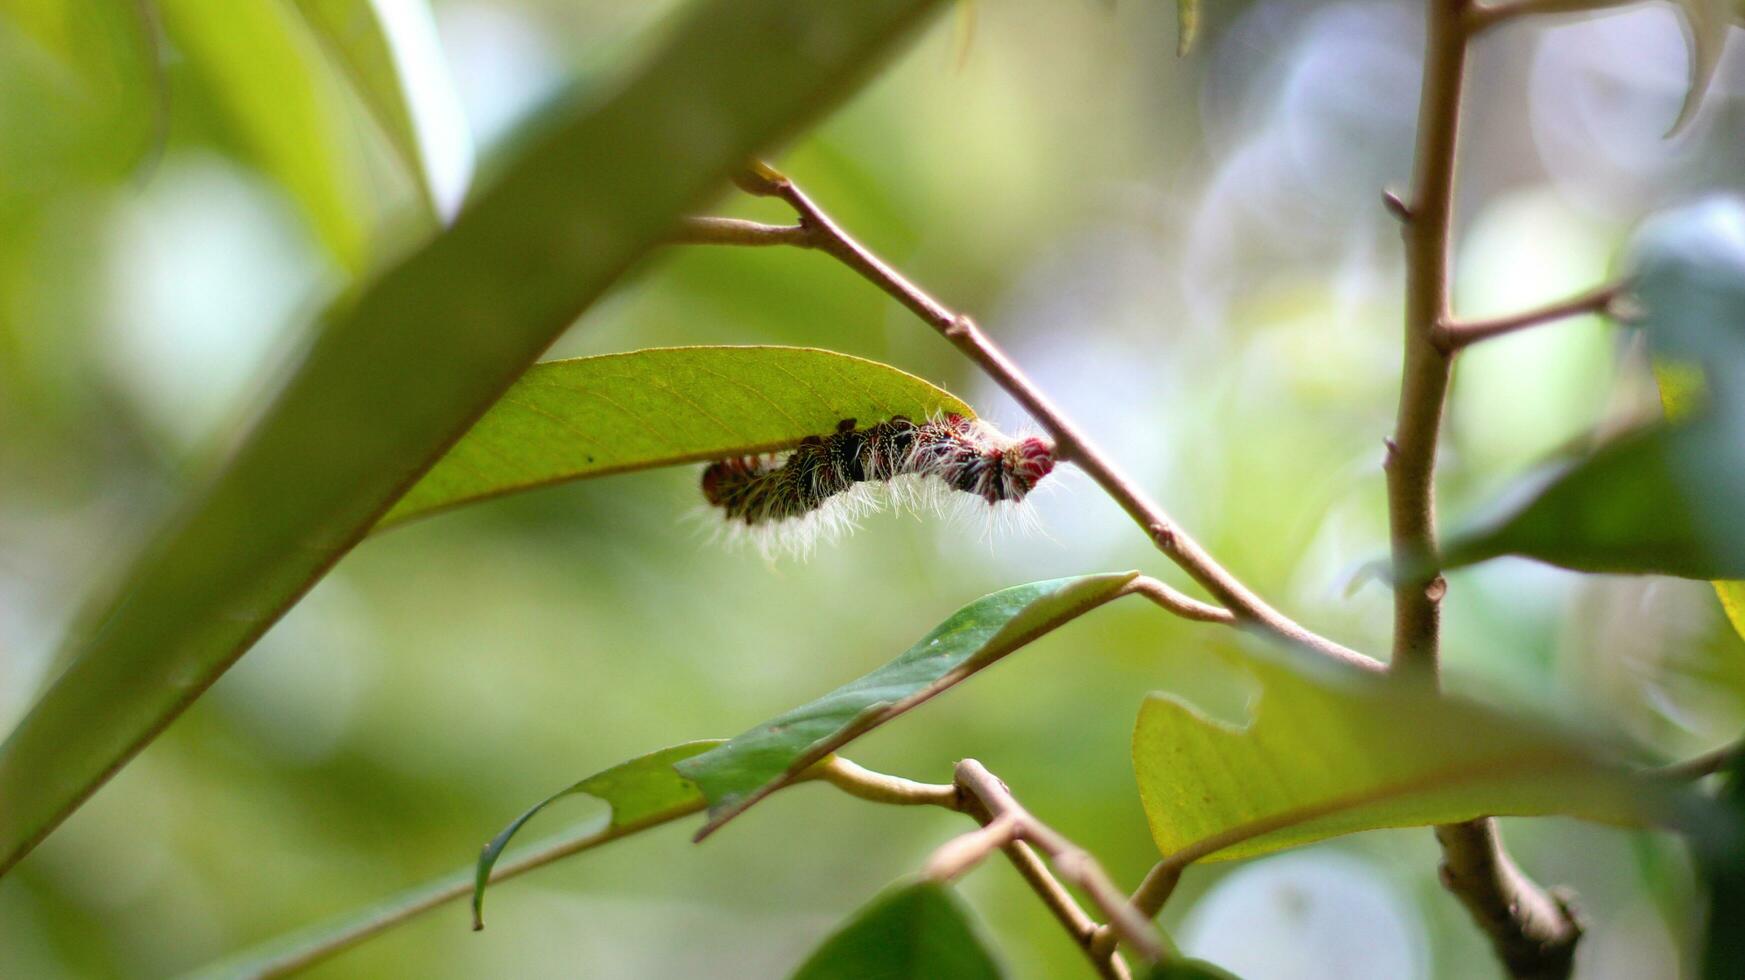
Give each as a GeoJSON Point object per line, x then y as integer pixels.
{"type": "Point", "coordinates": [1029, 461]}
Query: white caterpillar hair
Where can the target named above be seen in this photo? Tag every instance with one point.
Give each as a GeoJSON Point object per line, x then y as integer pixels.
{"type": "Point", "coordinates": [823, 486]}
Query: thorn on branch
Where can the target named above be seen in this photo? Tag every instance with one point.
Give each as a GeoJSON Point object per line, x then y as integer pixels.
{"type": "Point", "coordinates": [1396, 206]}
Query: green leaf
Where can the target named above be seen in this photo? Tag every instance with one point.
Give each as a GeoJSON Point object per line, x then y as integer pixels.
{"type": "Point", "coordinates": [389, 52]}
{"type": "Point", "coordinates": [919, 931]}
{"type": "Point", "coordinates": [1187, 26]}
{"type": "Point", "coordinates": [1666, 499]}
{"type": "Point", "coordinates": [1631, 507]}
{"type": "Point", "coordinates": [768, 757]}
{"type": "Point", "coordinates": [642, 793]}
{"type": "Point", "coordinates": [1336, 751]}
{"type": "Point", "coordinates": [592, 416]}
{"type": "Point", "coordinates": [268, 76]}
{"type": "Point", "coordinates": [1720, 858]}
{"type": "Point", "coordinates": [399, 373]}
{"type": "Point", "coordinates": [80, 84]}
{"type": "Point", "coordinates": [1683, 396]}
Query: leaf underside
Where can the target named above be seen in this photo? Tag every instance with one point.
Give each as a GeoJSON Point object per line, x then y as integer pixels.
{"type": "Point", "coordinates": [1323, 754]}
{"type": "Point", "coordinates": [594, 416]}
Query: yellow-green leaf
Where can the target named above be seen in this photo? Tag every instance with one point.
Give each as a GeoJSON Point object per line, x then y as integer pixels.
{"type": "Point", "coordinates": [593, 416]}
{"type": "Point", "coordinates": [268, 75]}
{"type": "Point", "coordinates": [390, 54]}
{"type": "Point", "coordinates": [1337, 751]}
{"type": "Point", "coordinates": [1187, 26]}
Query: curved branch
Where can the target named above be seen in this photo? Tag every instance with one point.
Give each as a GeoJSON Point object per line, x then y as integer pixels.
{"type": "Point", "coordinates": [817, 230]}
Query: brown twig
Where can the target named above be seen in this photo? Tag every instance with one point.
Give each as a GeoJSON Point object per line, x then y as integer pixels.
{"type": "Point", "coordinates": [1183, 606]}
{"type": "Point", "coordinates": [737, 231]}
{"type": "Point", "coordinates": [1008, 826]}
{"type": "Point", "coordinates": [818, 231]}
{"type": "Point", "coordinates": [1533, 932]}
{"type": "Point", "coordinates": [1453, 335]}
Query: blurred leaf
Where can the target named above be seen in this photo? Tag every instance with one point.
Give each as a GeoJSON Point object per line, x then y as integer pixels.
{"type": "Point", "coordinates": [268, 75]}
{"type": "Point", "coordinates": [1632, 507]}
{"type": "Point", "coordinates": [592, 416]}
{"type": "Point", "coordinates": [1666, 499]}
{"type": "Point", "coordinates": [919, 931]}
{"type": "Point", "coordinates": [1732, 596]}
{"type": "Point", "coordinates": [768, 757]}
{"type": "Point", "coordinates": [1181, 968]}
{"type": "Point", "coordinates": [1187, 26]}
{"type": "Point", "coordinates": [1683, 394]}
{"type": "Point", "coordinates": [1338, 751]}
{"type": "Point", "coordinates": [642, 793]}
{"type": "Point", "coordinates": [400, 372]}
{"type": "Point", "coordinates": [1706, 23]}
{"type": "Point", "coordinates": [388, 49]}
{"type": "Point", "coordinates": [1721, 863]}
{"type": "Point", "coordinates": [80, 93]}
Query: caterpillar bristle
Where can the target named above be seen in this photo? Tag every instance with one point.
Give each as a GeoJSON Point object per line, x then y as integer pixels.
{"type": "Point", "coordinates": [820, 489]}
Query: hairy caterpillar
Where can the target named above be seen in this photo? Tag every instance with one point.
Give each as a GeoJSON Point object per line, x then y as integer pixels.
{"type": "Point", "coordinates": [828, 481]}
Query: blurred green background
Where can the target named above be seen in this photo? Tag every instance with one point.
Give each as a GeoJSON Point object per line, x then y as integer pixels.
{"type": "Point", "coordinates": [1190, 256]}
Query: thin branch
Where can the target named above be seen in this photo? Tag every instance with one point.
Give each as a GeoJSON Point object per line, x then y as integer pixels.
{"type": "Point", "coordinates": [1533, 932]}
{"type": "Point", "coordinates": [878, 787]}
{"type": "Point", "coordinates": [1158, 886]}
{"type": "Point", "coordinates": [1453, 335]}
{"type": "Point", "coordinates": [1070, 861]}
{"type": "Point", "coordinates": [1070, 443]}
{"type": "Point", "coordinates": [1181, 605]}
{"type": "Point", "coordinates": [736, 231]}
{"type": "Point", "coordinates": [1482, 17]}
{"type": "Point", "coordinates": [1078, 924]}
{"type": "Point", "coordinates": [957, 856]}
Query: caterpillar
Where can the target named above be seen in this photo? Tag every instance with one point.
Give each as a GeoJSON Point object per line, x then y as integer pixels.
{"type": "Point", "coordinates": [826, 482]}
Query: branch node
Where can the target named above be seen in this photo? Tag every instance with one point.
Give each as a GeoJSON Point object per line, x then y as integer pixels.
{"type": "Point", "coordinates": [1162, 535]}
{"type": "Point", "coordinates": [1436, 588]}
{"type": "Point", "coordinates": [1390, 452]}
{"type": "Point", "coordinates": [1396, 206]}
{"type": "Point", "coordinates": [960, 328]}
